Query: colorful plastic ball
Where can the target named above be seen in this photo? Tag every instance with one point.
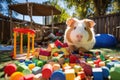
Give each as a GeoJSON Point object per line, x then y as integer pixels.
{"type": "Point", "coordinates": [40, 63]}
{"type": "Point", "coordinates": [55, 54]}
{"type": "Point", "coordinates": [9, 69]}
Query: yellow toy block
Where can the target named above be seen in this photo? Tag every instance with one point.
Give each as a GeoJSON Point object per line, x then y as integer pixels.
{"type": "Point", "coordinates": [70, 74]}
{"type": "Point", "coordinates": [43, 57]}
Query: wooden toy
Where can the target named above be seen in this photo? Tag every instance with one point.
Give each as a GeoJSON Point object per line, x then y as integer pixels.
{"type": "Point", "coordinates": [105, 71]}
{"type": "Point", "coordinates": [56, 67]}
{"type": "Point", "coordinates": [58, 75]}
{"type": "Point", "coordinates": [36, 70]}
{"type": "Point", "coordinates": [22, 67]}
{"type": "Point", "coordinates": [29, 32]}
{"type": "Point", "coordinates": [10, 68]}
{"type": "Point", "coordinates": [70, 74]}
{"type": "Point", "coordinates": [29, 77]}
{"type": "Point", "coordinates": [97, 74]}
{"type": "Point", "coordinates": [31, 66]}
{"type": "Point", "coordinates": [26, 72]}
{"type": "Point", "coordinates": [47, 71]}
{"type": "Point", "coordinates": [16, 76]}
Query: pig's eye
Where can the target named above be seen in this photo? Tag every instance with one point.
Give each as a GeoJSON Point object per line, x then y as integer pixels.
{"type": "Point", "coordinates": [74, 28]}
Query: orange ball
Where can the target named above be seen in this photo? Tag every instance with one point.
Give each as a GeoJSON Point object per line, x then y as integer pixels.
{"type": "Point", "coordinates": [55, 54]}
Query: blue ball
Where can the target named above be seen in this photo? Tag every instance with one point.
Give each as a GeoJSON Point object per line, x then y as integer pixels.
{"type": "Point", "coordinates": [105, 40]}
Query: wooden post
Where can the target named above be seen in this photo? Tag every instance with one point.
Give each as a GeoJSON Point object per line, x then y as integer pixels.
{"type": "Point", "coordinates": [21, 43]}
{"type": "Point", "coordinates": [33, 36]}
{"type": "Point", "coordinates": [15, 35]}
{"type": "Point", "coordinates": [28, 46]}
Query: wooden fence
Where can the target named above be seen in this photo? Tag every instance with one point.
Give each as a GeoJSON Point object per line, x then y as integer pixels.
{"type": "Point", "coordinates": [109, 24]}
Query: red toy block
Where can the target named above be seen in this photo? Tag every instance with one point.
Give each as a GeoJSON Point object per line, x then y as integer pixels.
{"type": "Point", "coordinates": [44, 52]}
{"type": "Point", "coordinates": [58, 43]}
{"type": "Point", "coordinates": [29, 77]}
{"type": "Point", "coordinates": [10, 68]}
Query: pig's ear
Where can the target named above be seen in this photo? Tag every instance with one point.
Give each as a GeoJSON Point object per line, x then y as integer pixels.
{"type": "Point", "coordinates": [89, 23]}
{"type": "Point", "coordinates": [70, 22]}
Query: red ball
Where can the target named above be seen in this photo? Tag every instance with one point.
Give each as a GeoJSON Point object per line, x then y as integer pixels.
{"type": "Point", "coordinates": [10, 68]}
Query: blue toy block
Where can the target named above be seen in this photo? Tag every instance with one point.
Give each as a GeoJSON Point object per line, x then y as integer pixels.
{"type": "Point", "coordinates": [36, 70]}
{"type": "Point", "coordinates": [105, 72]}
{"type": "Point", "coordinates": [110, 64]}
{"type": "Point", "coordinates": [58, 75]}
{"type": "Point", "coordinates": [97, 74]}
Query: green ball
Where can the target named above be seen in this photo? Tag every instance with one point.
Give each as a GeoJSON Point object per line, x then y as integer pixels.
{"type": "Point", "coordinates": [40, 63]}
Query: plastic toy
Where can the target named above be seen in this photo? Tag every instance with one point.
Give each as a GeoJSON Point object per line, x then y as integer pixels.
{"type": "Point", "coordinates": [105, 40]}
{"type": "Point", "coordinates": [30, 33]}
{"type": "Point", "coordinates": [16, 76]}
{"type": "Point", "coordinates": [10, 68]}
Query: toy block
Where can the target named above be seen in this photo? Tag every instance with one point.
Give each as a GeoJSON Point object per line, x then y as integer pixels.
{"type": "Point", "coordinates": [38, 77]}
{"type": "Point", "coordinates": [29, 77]}
{"type": "Point", "coordinates": [77, 68]}
{"type": "Point", "coordinates": [31, 66]}
{"type": "Point", "coordinates": [27, 62]}
{"type": "Point", "coordinates": [70, 74]}
{"type": "Point", "coordinates": [44, 52]}
{"type": "Point", "coordinates": [36, 70]}
{"type": "Point", "coordinates": [82, 75]}
{"type": "Point", "coordinates": [58, 44]}
{"type": "Point", "coordinates": [47, 71]}
{"type": "Point", "coordinates": [58, 75]}
{"type": "Point", "coordinates": [97, 74]}
{"type": "Point", "coordinates": [102, 63]}
{"type": "Point", "coordinates": [56, 67]}
{"type": "Point", "coordinates": [105, 71]}
{"type": "Point", "coordinates": [110, 64]}
{"type": "Point", "coordinates": [22, 67]}
{"type": "Point", "coordinates": [73, 58]}
{"type": "Point", "coordinates": [10, 68]}
{"type": "Point", "coordinates": [43, 57]}
{"type": "Point", "coordinates": [26, 72]}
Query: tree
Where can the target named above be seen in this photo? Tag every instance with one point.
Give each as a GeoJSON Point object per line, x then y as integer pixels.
{"type": "Point", "coordinates": [63, 16]}
{"type": "Point", "coordinates": [4, 6]}
{"type": "Point", "coordinates": [101, 6]}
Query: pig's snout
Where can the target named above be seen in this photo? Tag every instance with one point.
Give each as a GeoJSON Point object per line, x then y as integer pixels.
{"type": "Point", "coordinates": [79, 37]}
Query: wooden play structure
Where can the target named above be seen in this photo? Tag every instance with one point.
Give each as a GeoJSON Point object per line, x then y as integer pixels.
{"type": "Point", "coordinates": [30, 34]}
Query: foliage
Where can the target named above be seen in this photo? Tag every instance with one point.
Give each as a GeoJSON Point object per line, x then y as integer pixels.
{"type": "Point", "coordinates": [63, 16]}
{"type": "Point", "coordinates": [4, 6]}
{"type": "Point", "coordinates": [86, 8]}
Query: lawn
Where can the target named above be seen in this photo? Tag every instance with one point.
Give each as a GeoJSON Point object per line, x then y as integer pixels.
{"type": "Point", "coordinates": [106, 51]}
